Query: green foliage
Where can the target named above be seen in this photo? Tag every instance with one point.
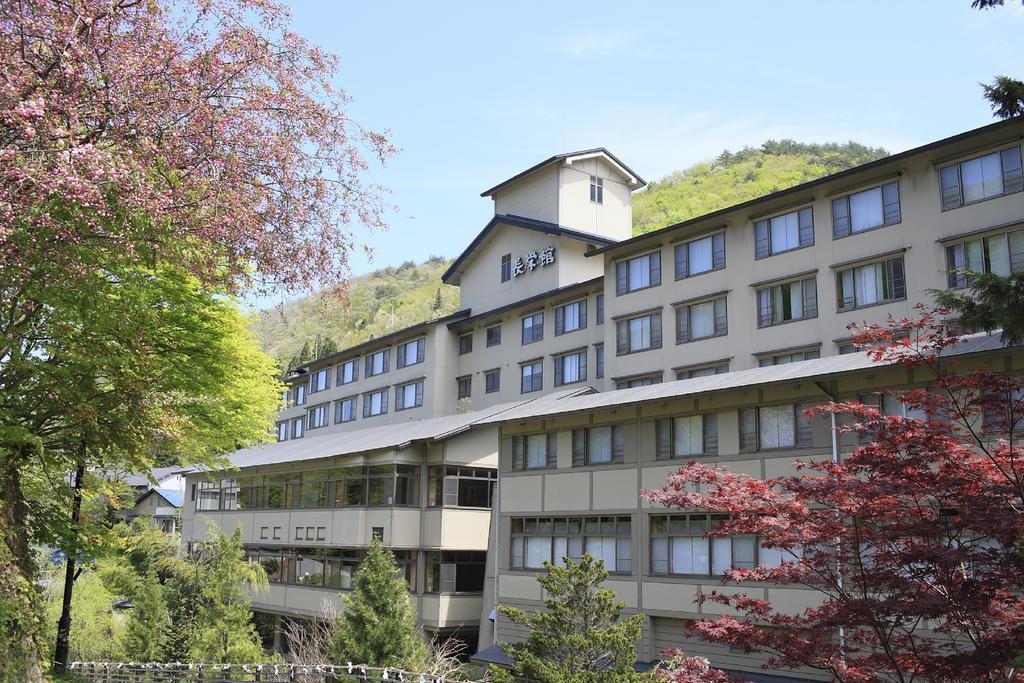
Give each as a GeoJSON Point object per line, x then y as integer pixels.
{"type": "Point", "coordinates": [146, 628]}
{"type": "Point", "coordinates": [991, 303]}
{"type": "Point", "coordinates": [580, 637]}
{"type": "Point", "coordinates": [377, 303]}
{"type": "Point", "coordinates": [224, 632]}
{"type": "Point", "coordinates": [21, 625]}
{"type": "Point", "coordinates": [378, 626]}
{"type": "Point", "coordinates": [1006, 95]}
{"type": "Point", "coordinates": [96, 630]}
{"type": "Point", "coordinates": [736, 177]}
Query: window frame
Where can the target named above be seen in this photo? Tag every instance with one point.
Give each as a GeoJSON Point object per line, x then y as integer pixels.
{"type": "Point", "coordinates": [492, 334]}
{"type": "Point", "coordinates": [581, 316]}
{"type": "Point", "coordinates": [368, 402]}
{"type": "Point", "coordinates": [371, 362]}
{"type": "Point", "coordinates": [400, 390]}
{"type": "Point", "coordinates": [572, 527]}
{"type": "Point", "coordinates": [808, 301]}
{"type": "Point", "coordinates": [488, 389]}
{"type": "Point", "coordinates": [804, 232]}
{"type": "Point", "coordinates": [324, 412]}
{"type": "Point", "coordinates": [521, 451]}
{"type": "Point", "coordinates": [464, 381]}
{"type": "Point", "coordinates": [535, 336]}
{"type": "Point", "coordinates": [803, 428]}
{"type": "Point", "coordinates": [1001, 154]}
{"type": "Point", "coordinates": [319, 380]}
{"type": "Point", "coordinates": [533, 376]}
{"type": "Point", "coordinates": [465, 343]}
{"type": "Point", "coordinates": [582, 445]}
{"type": "Point", "coordinates": [887, 273]}
{"type": "Point", "coordinates": [665, 436]}
{"type": "Point", "coordinates": [559, 367]}
{"type": "Point", "coordinates": [623, 270]}
{"type": "Point", "coordinates": [623, 324]}
{"type": "Point", "coordinates": [402, 352]}
{"type": "Point", "coordinates": [338, 409]}
{"type": "Point", "coordinates": [720, 319]}
{"type": "Point", "coordinates": [597, 190]}
{"type": "Point", "coordinates": [846, 201]}
{"type": "Point", "coordinates": [682, 256]}
{"type": "Point", "coordinates": [506, 267]}
{"type": "Point", "coordinates": [340, 375]}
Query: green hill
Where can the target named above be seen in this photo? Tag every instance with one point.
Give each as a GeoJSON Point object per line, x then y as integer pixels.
{"type": "Point", "coordinates": [379, 302]}
{"type": "Point", "coordinates": [736, 177]}
{"type": "Point", "coordinates": [392, 298]}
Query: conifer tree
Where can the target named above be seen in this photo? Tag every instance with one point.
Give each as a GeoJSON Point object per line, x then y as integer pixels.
{"type": "Point", "coordinates": [580, 637]}
{"type": "Point", "coordinates": [146, 630]}
{"type": "Point", "coordinates": [437, 300]}
{"type": "Point", "coordinates": [378, 626]}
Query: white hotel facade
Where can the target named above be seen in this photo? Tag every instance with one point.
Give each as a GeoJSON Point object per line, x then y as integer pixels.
{"type": "Point", "coordinates": [479, 444]}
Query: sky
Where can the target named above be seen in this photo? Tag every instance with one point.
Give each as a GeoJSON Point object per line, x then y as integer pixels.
{"type": "Point", "coordinates": [473, 93]}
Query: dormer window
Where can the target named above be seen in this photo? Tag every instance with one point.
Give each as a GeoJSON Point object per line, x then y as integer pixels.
{"type": "Point", "coordinates": [596, 189]}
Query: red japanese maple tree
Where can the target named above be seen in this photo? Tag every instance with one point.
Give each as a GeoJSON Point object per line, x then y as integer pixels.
{"type": "Point", "coordinates": [911, 541]}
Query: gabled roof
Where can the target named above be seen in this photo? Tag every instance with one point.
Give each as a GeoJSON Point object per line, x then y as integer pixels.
{"type": "Point", "coordinates": [384, 437]}
{"type": "Point", "coordinates": [172, 496]}
{"type": "Point", "coordinates": [632, 178]}
{"type": "Point", "coordinates": [454, 271]}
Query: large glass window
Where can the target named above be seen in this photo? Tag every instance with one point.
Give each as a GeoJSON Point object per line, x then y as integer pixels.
{"type": "Point", "coordinates": [536, 540]}
{"type": "Point", "coordinates": [493, 335]}
{"type": "Point", "coordinates": [375, 403]}
{"type": "Point", "coordinates": [319, 416]}
{"type": "Point", "coordinates": [533, 328]}
{"type": "Point", "coordinates": [639, 272]}
{"type": "Point", "coordinates": [1001, 254]}
{"type": "Point", "coordinates": [638, 334]}
{"type": "Point", "coordinates": [455, 571]}
{"type": "Point", "coordinates": [322, 567]}
{"type": "Point", "coordinates": [781, 426]}
{"type": "Point", "coordinates": [345, 410]}
{"type": "Point", "coordinates": [597, 445]}
{"type": "Point", "coordinates": [571, 317]}
{"type": "Point", "coordinates": [282, 431]}
{"type": "Point", "coordinates": [872, 283]}
{"type": "Point", "coordinates": [535, 451]}
{"type": "Point", "coordinates": [866, 210]}
{"type": "Point", "coordinates": [409, 395]}
{"type": "Point", "coordinates": [700, 256]}
{"type": "Point", "coordinates": [377, 363]}
{"type": "Point", "coordinates": [984, 177]}
{"type": "Point", "coordinates": [782, 358]}
{"type": "Point", "coordinates": [411, 353]}
{"type": "Point", "coordinates": [784, 233]}
{"type": "Point", "coordinates": [786, 302]}
{"type": "Point", "coordinates": [298, 427]}
{"type": "Point", "coordinates": [348, 371]}
{"type": "Point", "coordinates": [700, 321]}
{"type": "Point", "coordinates": [702, 371]}
{"type": "Point", "coordinates": [570, 368]}
{"type": "Point", "coordinates": [679, 545]}
{"type": "Point", "coordinates": [638, 381]}
{"type": "Point", "coordinates": [492, 381]}
{"type": "Point", "coordinates": [466, 344]}
{"type": "Point", "coordinates": [300, 394]}
{"type": "Point", "coordinates": [681, 437]}
{"type": "Point", "coordinates": [532, 377]}
{"type": "Point", "coordinates": [319, 381]}
{"type": "Point", "coordinates": [453, 486]}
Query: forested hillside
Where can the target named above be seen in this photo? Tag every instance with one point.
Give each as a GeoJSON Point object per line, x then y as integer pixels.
{"type": "Point", "coordinates": [392, 298]}
{"type": "Point", "coordinates": [735, 177]}
{"type": "Point", "coordinates": [379, 302]}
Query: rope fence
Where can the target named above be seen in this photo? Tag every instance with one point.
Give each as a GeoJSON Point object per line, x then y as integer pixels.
{"type": "Point", "coordinates": [156, 672]}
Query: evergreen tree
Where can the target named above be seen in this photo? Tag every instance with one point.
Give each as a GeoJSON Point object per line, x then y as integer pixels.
{"type": "Point", "coordinates": [992, 302]}
{"type": "Point", "coordinates": [1005, 94]}
{"type": "Point", "coordinates": [580, 637]}
{"type": "Point", "coordinates": [224, 632]}
{"type": "Point", "coordinates": [378, 626]}
{"type": "Point", "coordinates": [437, 300]}
{"type": "Point", "coordinates": [146, 630]}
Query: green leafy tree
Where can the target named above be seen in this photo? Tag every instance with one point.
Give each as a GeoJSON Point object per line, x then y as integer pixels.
{"type": "Point", "coordinates": [224, 632]}
{"type": "Point", "coordinates": [580, 636]}
{"type": "Point", "coordinates": [378, 626]}
{"type": "Point", "coordinates": [95, 634]}
{"type": "Point", "coordinates": [1005, 94]}
{"type": "Point", "coordinates": [991, 302]}
{"type": "Point", "coordinates": [146, 628]}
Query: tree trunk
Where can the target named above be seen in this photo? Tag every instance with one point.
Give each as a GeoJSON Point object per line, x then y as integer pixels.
{"type": "Point", "coordinates": [60, 653]}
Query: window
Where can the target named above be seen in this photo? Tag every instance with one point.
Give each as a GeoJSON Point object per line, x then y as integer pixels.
{"type": "Point", "coordinates": [571, 317]}
{"type": "Point", "coordinates": [533, 328]}
{"type": "Point", "coordinates": [638, 381]}
{"type": "Point", "coordinates": [506, 267]}
{"type": "Point", "coordinates": [377, 363]}
{"type": "Point", "coordinates": [409, 395]}
{"type": "Point", "coordinates": [451, 486]}
{"type": "Point", "coordinates": [784, 233]}
{"type": "Point", "coordinates": [536, 451]}
{"type": "Point", "coordinates": [638, 334]}
{"type": "Point", "coordinates": [766, 360]}
{"type": "Point", "coordinates": [319, 381]}
{"type": "Point", "coordinates": [596, 189]}
{"type": "Point", "coordinates": [599, 360]}
{"type": "Point", "coordinates": [1004, 412]}
{"type": "Point", "coordinates": [393, 485]}
{"type": "Point", "coordinates": [466, 344]}
{"type": "Point", "coordinates": [767, 427]}
{"type": "Point", "coordinates": [700, 321]}
{"type": "Point", "coordinates": [700, 256]}
{"type": "Point", "coordinates": [209, 496]}
{"type": "Point", "coordinates": [319, 416]}
{"type": "Point", "coordinates": [492, 381]}
{"type": "Point", "coordinates": [348, 371]}
{"type": "Point", "coordinates": [282, 431]}
{"type": "Point", "coordinates": [323, 567]}
{"type": "Point", "coordinates": [890, 405]}
{"type": "Point", "coordinates": [345, 410]}
{"type": "Point", "coordinates": [493, 335]}
{"type": "Point", "coordinates": [532, 377]}
{"type": "Point", "coordinates": [638, 273]}
{"type": "Point", "coordinates": [298, 427]}
{"type": "Point", "coordinates": [599, 305]}
{"type": "Point", "coordinates": [1001, 254]}
{"type": "Point", "coordinates": [411, 353]}
{"type": "Point", "coordinates": [787, 302]}
{"type": "Point", "coordinates": [847, 347]}
{"type": "Point", "coordinates": [536, 540]}
{"type": "Point", "coordinates": [704, 371]}
{"type": "Point", "coordinates": [597, 446]}
{"type": "Point", "coordinates": [571, 367]}
{"type": "Point", "coordinates": [679, 545]}
{"type": "Point", "coordinates": [455, 571]}
{"type": "Point", "coordinates": [873, 283]}
{"type": "Point", "coordinates": [866, 210]}
{"type": "Point", "coordinates": [300, 394]}
{"type": "Point", "coordinates": [375, 403]}
{"type": "Point", "coordinates": [680, 437]}
{"type": "Point", "coordinates": [981, 178]}
{"type": "Point", "coordinates": [464, 387]}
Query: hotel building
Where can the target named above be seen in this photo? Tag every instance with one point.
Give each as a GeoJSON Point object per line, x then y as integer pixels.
{"type": "Point", "coordinates": [407, 436]}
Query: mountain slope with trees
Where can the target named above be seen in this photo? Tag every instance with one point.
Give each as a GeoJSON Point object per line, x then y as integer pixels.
{"type": "Point", "coordinates": [735, 177]}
